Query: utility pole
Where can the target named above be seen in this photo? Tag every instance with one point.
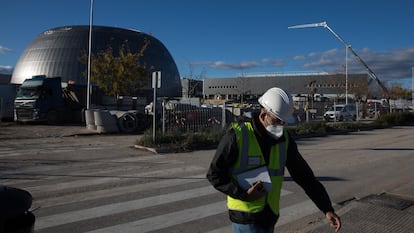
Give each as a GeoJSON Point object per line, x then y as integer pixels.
{"type": "Point", "coordinates": [88, 88]}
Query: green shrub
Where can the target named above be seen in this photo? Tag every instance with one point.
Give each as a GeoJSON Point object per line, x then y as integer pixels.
{"type": "Point", "coordinates": [394, 119]}
{"type": "Point", "coordinates": [182, 140]}
{"type": "Point", "coordinates": [309, 128]}
{"type": "Point", "coordinates": [346, 126]}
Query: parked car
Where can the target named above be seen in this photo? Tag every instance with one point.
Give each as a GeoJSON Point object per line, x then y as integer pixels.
{"type": "Point", "coordinates": [341, 112]}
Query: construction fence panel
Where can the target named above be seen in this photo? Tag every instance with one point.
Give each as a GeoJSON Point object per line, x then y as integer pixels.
{"type": "Point", "coordinates": [195, 119]}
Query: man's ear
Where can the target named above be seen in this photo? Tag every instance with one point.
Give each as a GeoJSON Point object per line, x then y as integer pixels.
{"type": "Point", "coordinates": [262, 115]}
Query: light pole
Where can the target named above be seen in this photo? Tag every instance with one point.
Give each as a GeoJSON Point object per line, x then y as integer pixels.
{"type": "Point", "coordinates": [88, 88]}
{"type": "Point", "coordinates": [346, 75]}
{"type": "Point", "coordinates": [325, 25]}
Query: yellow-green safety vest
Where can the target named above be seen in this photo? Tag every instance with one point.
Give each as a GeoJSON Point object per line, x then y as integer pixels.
{"type": "Point", "coordinates": [250, 157]}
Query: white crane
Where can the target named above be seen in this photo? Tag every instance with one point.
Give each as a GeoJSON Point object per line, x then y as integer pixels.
{"type": "Point", "coordinates": [370, 72]}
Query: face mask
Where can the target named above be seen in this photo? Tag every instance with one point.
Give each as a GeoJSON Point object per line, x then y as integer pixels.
{"type": "Point", "coordinates": [276, 131]}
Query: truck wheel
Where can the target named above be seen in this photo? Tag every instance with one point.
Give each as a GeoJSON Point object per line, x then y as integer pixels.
{"type": "Point", "coordinates": [128, 123]}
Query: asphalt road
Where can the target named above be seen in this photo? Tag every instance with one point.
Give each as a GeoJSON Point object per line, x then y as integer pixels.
{"type": "Point", "coordinates": [86, 182]}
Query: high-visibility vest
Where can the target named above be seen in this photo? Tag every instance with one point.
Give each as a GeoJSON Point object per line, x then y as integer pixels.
{"type": "Point", "coordinates": [250, 157]}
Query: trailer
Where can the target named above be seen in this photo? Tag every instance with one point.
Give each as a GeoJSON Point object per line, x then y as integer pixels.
{"type": "Point", "coordinates": [7, 96]}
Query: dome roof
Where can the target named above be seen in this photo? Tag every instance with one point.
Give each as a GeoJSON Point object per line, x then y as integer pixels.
{"type": "Point", "coordinates": [57, 52]}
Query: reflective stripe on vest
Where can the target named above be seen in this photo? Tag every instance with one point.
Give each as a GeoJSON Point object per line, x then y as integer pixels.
{"type": "Point", "coordinates": [247, 142]}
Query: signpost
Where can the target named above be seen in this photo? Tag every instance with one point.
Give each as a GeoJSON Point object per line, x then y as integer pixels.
{"type": "Point", "coordinates": [156, 83]}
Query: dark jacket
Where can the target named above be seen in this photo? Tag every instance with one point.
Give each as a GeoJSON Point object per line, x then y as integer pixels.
{"type": "Point", "coordinates": [219, 174]}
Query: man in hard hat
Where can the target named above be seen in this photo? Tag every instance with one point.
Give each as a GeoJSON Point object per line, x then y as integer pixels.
{"type": "Point", "coordinates": [263, 143]}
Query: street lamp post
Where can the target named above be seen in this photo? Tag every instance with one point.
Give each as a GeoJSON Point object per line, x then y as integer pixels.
{"type": "Point", "coordinates": [325, 25]}
{"type": "Point", "coordinates": [88, 88]}
{"type": "Point", "coordinates": [346, 75]}
{"type": "Point", "coordinates": [412, 86]}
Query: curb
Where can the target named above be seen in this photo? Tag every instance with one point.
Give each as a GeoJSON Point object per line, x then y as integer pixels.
{"type": "Point", "coordinates": [155, 150]}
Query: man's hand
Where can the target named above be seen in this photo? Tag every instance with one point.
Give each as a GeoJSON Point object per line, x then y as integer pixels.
{"type": "Point", "coordinates": [334, 220]}
{"type": "Point", "coordinates": [256, 191]}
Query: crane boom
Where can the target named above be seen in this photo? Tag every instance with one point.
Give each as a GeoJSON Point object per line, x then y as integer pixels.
{"type": "Point", "coordinates": [370, 72]}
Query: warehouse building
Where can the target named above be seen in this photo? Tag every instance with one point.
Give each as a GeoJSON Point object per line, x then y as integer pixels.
{"type": "Point", "coordinates": [250, 87]}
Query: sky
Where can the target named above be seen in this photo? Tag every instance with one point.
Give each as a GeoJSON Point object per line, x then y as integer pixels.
{"type": "Point", "coordinates": [231, 38]}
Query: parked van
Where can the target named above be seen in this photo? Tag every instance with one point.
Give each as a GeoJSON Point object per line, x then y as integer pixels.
{"type": "Point", "coordinates": [341, 112]}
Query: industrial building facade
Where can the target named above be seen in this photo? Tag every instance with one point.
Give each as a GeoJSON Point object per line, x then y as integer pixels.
{"type": "Point", "coordinates": [298, 84]}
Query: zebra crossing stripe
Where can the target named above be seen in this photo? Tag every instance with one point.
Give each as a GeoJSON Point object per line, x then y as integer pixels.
{"type": "Point", "coordinates": [93, 170]}
{"type": "Point", "coordinates": [100, 211]}
{"type": "Point", "coordinates": [7, 154]}
{"type": "Point", "coordinates": [179, 217]}
{"type": "Point", "coordinates": [102, 180]}
{"type": "Point", "coordinates": [166, 220]}
{"type": "Point", "coordinates": [115, 191]}
{"type": "Point", "coordinates": [84, 214]}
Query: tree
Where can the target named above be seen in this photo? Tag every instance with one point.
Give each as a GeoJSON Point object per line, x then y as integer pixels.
{"type": "Point", "coordinates": [121, 73]}
{"type": "Point", "coordinates": [359, 88]}
{"type": "Point", "coordinates": [194, 82]}
{"type": "Point", "coordinates": [398, 92]}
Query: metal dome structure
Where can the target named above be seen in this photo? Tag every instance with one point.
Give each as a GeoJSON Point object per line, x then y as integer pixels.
{"type": "Point", "coordinates": [57, 52]}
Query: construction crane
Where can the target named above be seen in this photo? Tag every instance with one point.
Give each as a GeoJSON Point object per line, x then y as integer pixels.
{"type": "Point", "coordinates": [370, 72]}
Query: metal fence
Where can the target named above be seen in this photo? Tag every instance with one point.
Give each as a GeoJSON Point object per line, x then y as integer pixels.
{"type": "Point", "coordinates": [186, 117]}
{"type": "Point", "coordinates": [191, 118]}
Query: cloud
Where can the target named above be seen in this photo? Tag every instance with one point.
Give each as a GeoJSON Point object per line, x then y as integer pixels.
{"type": "Point", "coordinates": [299, 57]}
{"type": "Point", "coordinates": [6, 69]}
{"type": "Point", "coordinates": [242, 65]}
{"type": "Point", "coordinates": [393, 64]}
{"type": "Point", "coordinates": [322, 60]}
{"type": "Point", "coordinates": [4, 50]}
{"type": "Point", "coordinates": [229, 66]}
{"type": "Point", "coordinates": [388, 66]}
{"type": "Point", "coordinates": [273, 62]}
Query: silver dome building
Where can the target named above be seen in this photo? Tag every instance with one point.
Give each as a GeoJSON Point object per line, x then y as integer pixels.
{"type": "Point", "coordinates": [57, 52]}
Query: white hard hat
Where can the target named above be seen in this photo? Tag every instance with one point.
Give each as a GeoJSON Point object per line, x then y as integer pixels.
{"type": "Point", "coordinates": [278, 102]}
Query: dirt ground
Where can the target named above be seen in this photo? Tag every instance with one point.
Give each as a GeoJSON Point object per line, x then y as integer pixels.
{"type": "Point", "coordinates": [11, 130]}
